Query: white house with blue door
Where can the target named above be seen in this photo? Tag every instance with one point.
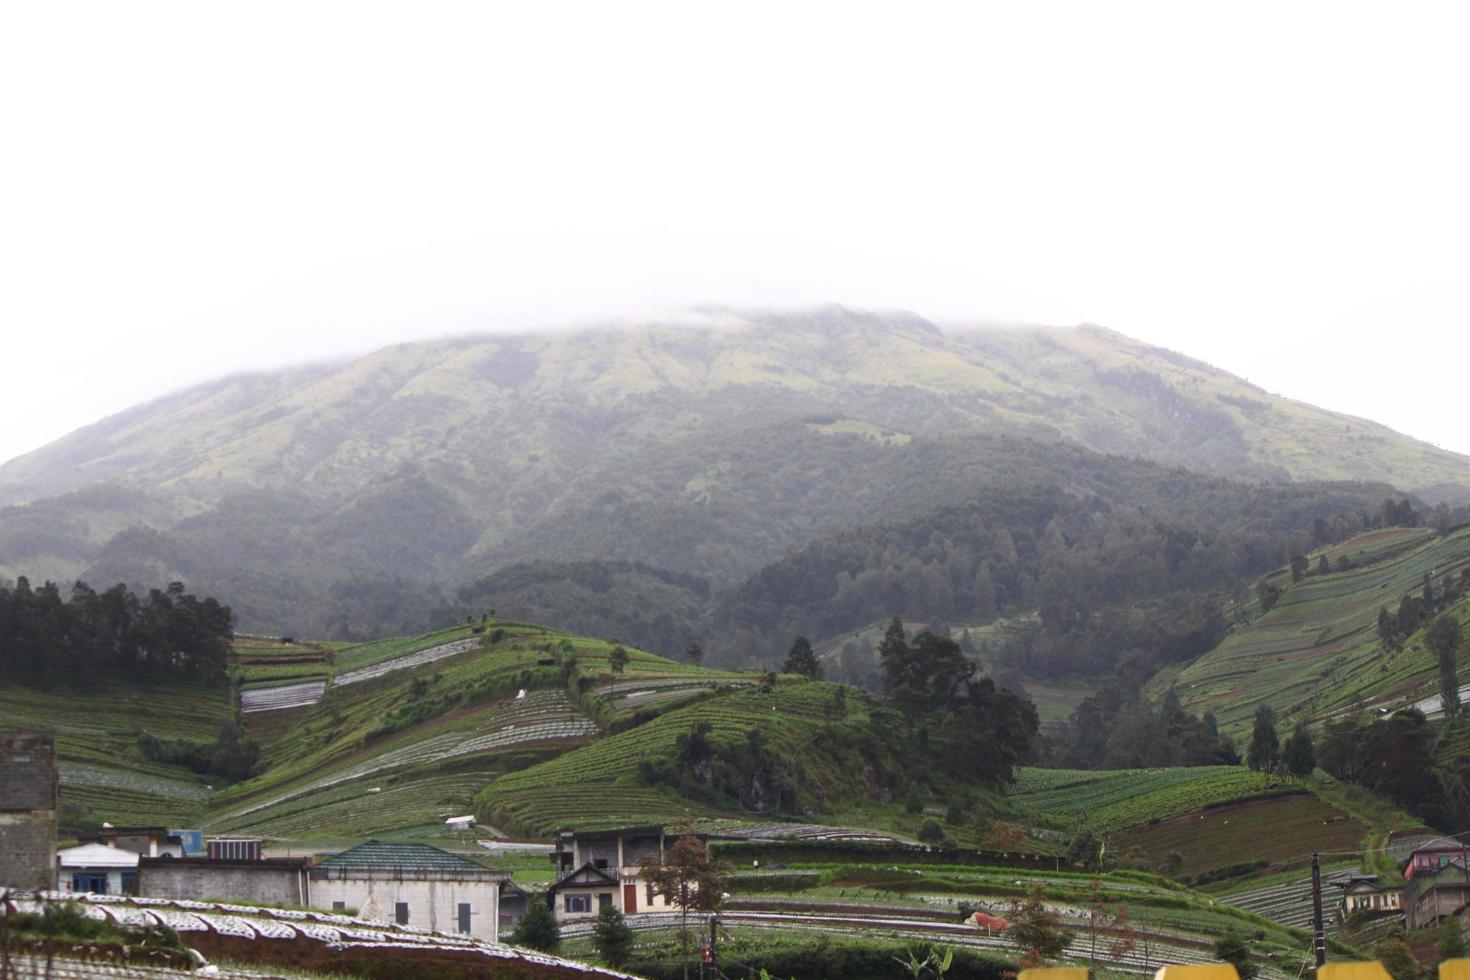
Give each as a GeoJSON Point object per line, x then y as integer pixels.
{"type": "Point", "coordinates": [98, 868]}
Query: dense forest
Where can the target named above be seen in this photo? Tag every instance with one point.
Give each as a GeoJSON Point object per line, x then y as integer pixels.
{"type": "Point", "coordinates": [1105, 578]}
{"type": "Point", "coordinates": [47, 639]}
{"type": "Point", "coordinates": [636, 603]}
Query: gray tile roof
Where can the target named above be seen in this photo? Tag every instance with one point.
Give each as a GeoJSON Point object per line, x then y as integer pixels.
{"type": "Point", "coordinates": [387, 856]}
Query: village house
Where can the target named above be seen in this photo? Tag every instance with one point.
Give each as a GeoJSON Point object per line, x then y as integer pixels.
{"type": "Point", "coordinates": [1436, 856]}
{"type": "Point", "coordinates": [411, 884]}
{"type": "Point", "coordinates": [1432, 894]}
{"type": "Point", "coordinates": [102, 869]}
{"type": "Point", "coordinates": [1366, 896]}
{"type": "Point", "coordinates": [601, 868]}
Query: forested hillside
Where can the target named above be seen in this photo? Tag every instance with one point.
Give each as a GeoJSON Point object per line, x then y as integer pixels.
{"type": "Point", "coordinates": [1080, 560]}
{"type": "Point", "coordinates": [379, 496]}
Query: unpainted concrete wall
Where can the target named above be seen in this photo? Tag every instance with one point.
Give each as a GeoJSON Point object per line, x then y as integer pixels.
{"type": "Point", "coordinates": [431, 904]}
{"type": "Point", "coordinates": [27, 810]}
{"type": "Point", "coordinates": [195, 879]}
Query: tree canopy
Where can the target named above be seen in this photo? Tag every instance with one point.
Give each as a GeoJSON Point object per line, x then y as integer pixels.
{"type": "Point", "coordinates": [46, 639]}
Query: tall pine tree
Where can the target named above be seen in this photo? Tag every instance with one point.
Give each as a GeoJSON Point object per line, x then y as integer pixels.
{"type": "Point", "coordinates": [1264, 753]}
{"type": "Point", "coordinates": [1299, 755]}
{"type": "Point", "coordinates": [1443, 639]}
{"type": "Point", "coordinates": [802, 659]}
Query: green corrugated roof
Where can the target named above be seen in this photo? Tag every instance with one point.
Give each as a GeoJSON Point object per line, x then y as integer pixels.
{"type": "Point", "coordinates": [380, 855]}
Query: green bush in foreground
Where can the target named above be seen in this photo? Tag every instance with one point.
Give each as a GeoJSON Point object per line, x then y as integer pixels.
{"type": "Point", "coordinates": [612, 938]}
{"type": "Point", "coordinates": [538, 930]}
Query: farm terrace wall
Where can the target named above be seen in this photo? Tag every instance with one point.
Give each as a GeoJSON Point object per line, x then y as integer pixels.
{"type": "Point", "coordinates": [28, 790]}
{"type": "Point", "coordinates": [271, 881]}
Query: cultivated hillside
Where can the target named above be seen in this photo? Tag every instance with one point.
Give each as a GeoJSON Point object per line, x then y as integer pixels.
{"type": "Point", "coordinates": [1317, 654]}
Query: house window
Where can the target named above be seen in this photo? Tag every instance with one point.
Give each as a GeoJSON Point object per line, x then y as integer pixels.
{"type": "Point", "coordinates": [89, 883]}
{"type": "Point", "coordinates": [400, 913]}
{"type": "Point", "coordinates": [339, 906]}
{"type": "Point", "coordinates": [578, 903]}
{"type": "Point", "coordinates": [464, 916]}
{"type": "Point", "coordinates": [604, 900]}
{"type": "Point", "coordinates": [600, 863]}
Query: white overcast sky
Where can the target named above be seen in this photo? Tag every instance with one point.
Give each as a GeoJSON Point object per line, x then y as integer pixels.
{"type": "Point", "coordinates": [192, 189]}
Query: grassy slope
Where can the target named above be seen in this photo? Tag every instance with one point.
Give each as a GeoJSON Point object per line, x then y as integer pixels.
{"type": "Point", "coordinates": [258, 425]}
{"type": "Point", "coordinates": [1317, 652]}
{"type": "Point", "coordinates": [815, 752]}
{"type": "Point", "coordinates": [331, 775]}
{"type": "Point", "coordinates": [1289, 436]}
{"type": "Point", "coordinates": [1115, 800]}
{"type": "Point", "coordinates": [423, 772]}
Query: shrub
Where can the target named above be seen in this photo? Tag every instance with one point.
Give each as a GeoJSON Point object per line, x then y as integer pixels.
{"type": "Point", "coordinates": [537, 929]}
{"type": "Point", "coordinates": [611, 937]}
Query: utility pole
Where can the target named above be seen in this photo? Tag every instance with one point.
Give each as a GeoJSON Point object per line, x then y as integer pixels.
{"type": "Point", "coordinates": [1319, 935]}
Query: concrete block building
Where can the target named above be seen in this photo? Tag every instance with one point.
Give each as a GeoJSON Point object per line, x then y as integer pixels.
{"type": "Point", "coordinates": [263, 881]}
{"type": "Point", "coordinates": [413, 885]}
{"type": "Point", "coordinates": [28, 791]}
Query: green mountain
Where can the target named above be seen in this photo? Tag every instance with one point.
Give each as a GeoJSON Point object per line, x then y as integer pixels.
{"type": "Point", "coordinates": [359, 498]}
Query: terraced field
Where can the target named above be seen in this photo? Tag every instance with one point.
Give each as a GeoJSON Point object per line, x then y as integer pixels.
{"type": "Point", "coordinates": [408, 730]}
{"type": "Point", "coordinates": [795, 720]}
{"type": "Point", "coordinates": [917, 902]}
{"type": "Point", "coordinates": [268, 658]}
{"type": "Point", "coordinates": [277, 676]}
{"type": "Point", "coordinates": [335, 797]}
{"type": "Point", "coordinates": [104, 775]}
{"type": "Point", "coordinates": [1111, 800]}
{"type": "Point", "coordinates": [1289, 901]}
{"type": "Point", "coordinates": [1280, 831]}
{"type": "Point", "coordinates": [406, 662]}
{"type": "Point", "coordinates": [1316, 652]}
{"type": "Point", "coordinates": [280, 697]}
{"type": "Point", "coordinates": [640, 694]}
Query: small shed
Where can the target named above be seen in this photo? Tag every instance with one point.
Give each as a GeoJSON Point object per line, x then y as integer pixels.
{"type": "Point", "coordinates": [234, 848]}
